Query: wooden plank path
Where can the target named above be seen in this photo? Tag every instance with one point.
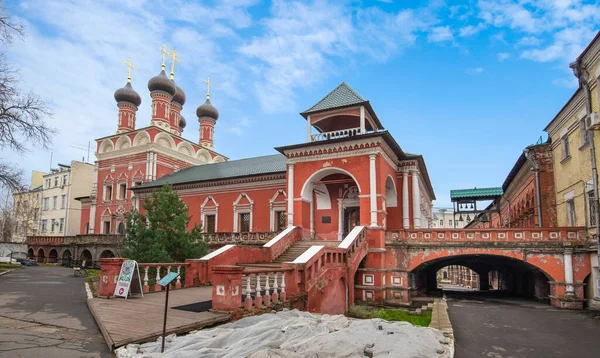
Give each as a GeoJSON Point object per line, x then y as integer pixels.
{"type": "Point", "coordinates": [138, 320]}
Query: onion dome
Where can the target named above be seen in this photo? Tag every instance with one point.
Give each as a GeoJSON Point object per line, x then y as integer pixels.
{"type": "Point", "coordinates": [128, 94]}
{"type": "Point", "coordinates": [160, 82]}
{"type": "Point", "coordinates": [182, 122]}
{"type": "Point", "coordinates": [207, 110]}
{"type": "Point", "coordinates": [179, 96]}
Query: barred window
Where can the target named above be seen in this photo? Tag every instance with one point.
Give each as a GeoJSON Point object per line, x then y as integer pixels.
{"type": "Point", "coordinates": [280, 217]}
{"type": "Point", "coordinates": [592, 207]}
{"type": "Point", "coordinates": [210, 224]}
{"type": "Point", "coordinates": [245, 222]}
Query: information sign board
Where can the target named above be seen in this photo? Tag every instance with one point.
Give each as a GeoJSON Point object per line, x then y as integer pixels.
{"type": "Point", "coordinates": [168, 278]}
{"type": "Point", "coordinates": [129, 281]}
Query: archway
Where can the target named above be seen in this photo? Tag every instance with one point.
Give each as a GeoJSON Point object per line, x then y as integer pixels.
{"type": "Point", "coordinates": [53, 256]}
{"type": "Point", "coordinates": [40, 255]}
{"type": "Point", "coordinates": [86, 256]}
{"type": "Point", "coordinates": [30, 253]}
{"type": "Point", "coordinates": [106, 254]}
{"type": "Point", "coordinates": [330, 204]}
{"type": "Point", "coordinates": [66, 258]}
{"type": "Point", "coordinates": [458, 278]}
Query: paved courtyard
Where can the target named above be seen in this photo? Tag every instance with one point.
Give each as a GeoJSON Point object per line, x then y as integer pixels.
{"type": "Point", "coordinates": [504, 327]}
{"type": "Point", "coordinates": [43, 313]}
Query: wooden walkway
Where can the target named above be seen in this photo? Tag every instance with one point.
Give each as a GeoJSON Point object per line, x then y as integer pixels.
{"type": "Point", "coordinates": [138, 320]}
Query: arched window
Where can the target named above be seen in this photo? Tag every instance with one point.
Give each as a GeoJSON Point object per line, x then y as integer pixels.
{"type": "Point", "coordinates": [121, 229]}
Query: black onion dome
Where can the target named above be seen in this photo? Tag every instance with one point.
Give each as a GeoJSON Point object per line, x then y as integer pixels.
{"type": "Point", "coordinates": [128, 94]}
{"type": "Point", "coordinates": [160, 82]}
{"type": "Point", "coordinates": [179, 96]}
{"type": "Point", "coordinates": [207, 110]}
{"type": "Point", "coordinates": [182, 122]}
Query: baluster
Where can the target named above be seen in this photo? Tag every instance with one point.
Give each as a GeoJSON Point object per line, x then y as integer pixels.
{"type": "Point", "coordinates": [282, 296]}
{"type": "Point", "coordinates": [275, 287]}
{"type": "Point", "coordinates": [178, 283]}
{"type": "Point", "coordinates": [146, 288]}
{"type": "Point", "coordinates": [258, 299]}
{"type": "Point", "coordinates": [156, 285]}
{"type": "Point", "coordinates": [248, 301]}
{"type": "Point", "coordinates": [166, 273]}
{"type": "Point", "coordinates": [267, 297]}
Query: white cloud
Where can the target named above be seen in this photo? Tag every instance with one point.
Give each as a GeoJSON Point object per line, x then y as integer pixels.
{"type": "Point", "coordinates": [239, 127]}
{"type": "Point", "coordinates": [528, 41]}
{"type": "Point", "coordinates": [474, 71]}
{"type": "Point", "coordinates": [566, 46]}
{"type": "Point", "coordinates": [503, 56]}
{"type": "Point", "coordinates": [568, 82]}
{"type": "Point", "coordinates": [471, 30]}
{"type": "Point", "coordinates": [440, 34]}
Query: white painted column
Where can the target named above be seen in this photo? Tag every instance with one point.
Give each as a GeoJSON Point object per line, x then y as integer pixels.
{"type": "Point", "coordinates": [416, 197]}
{"type": "Point", "coordinates": [568, 263]}
{"type": "Point", "coordinates": [290, 196]}
{"type": "Point", "coordinates": [154, 165]}
{"type": "Point", "coordinates": [308, 130]}
{"type": "Point", "coordinates": [405, 208]}
{"type": "Point", "coordinates": [340, 219]}
{"type": "Point", "coordinates": [148, 176]}
{"type": "Point", "coordinates": [362, 120]}
{"type": "Point", "coordinates": [373, 189]}
{"type": "Point", "coordinates": [312, 218]}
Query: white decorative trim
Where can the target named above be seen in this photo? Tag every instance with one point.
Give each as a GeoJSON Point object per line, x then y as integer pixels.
{"type": "Point", "coordinates": [216, 252]}
{"type": "Point", "coordinates": [211, 210]}
{"type": "Point", "coordinates": [242, 209]}
{"type": "Point", "coordinates": [320, 174]}
{"type": "Point", "coordinates": [106, 146]}
{"type": "Point", "coordinates": [351, 237]}
{"type": "Point", "coordinates": [391, 202]}
{"type": "Point", "coordinates": [368, 295]}
{"type": "Point", "coordinates": [141, 138]}
{"type": "Point", "coordinates": [123, 142]}
{"type": "Point", "coordinates": [273, 205]}
{"type": "Point", "coordinates": [280, 236]}
{"type": "Point", "coordinates": [368, 279]}
{"type": "Point", "coordinates": [308, 254]}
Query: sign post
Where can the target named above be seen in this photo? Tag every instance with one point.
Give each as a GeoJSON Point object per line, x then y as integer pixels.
{"type": "Point", "coordinates": [130, 273]}
{"type": "Point", "coordinates": [166, 281]}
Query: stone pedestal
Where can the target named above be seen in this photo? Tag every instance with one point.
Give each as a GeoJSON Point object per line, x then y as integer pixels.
{"type": "Point", "coordinates": [109, 274]}
{"type": "Point", "coordinates": [227, 287]}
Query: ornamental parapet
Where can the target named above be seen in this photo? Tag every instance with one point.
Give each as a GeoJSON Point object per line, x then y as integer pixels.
{"type": "Point", "coordinates": [222, 238]}
{"type": "Point", "coordinates": [74, 240]}
{"type": "Point", "coordinates": [570, 235]}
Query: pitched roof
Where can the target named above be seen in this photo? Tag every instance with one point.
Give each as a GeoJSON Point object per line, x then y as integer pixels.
{"type": "Point", "coordinates": [342, 96]}
{"type": "Point", "coordinates": [476, 193]}
{"type": "Point", "coordinates": [231, 169]}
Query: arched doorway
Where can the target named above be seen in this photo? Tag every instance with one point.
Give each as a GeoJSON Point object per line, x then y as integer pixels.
{"type": "Point", "coordinates": [40, 255]}
{"type": "Point", "coordinates": [66, 258]}
{"type": "Point", "coordinates": [53, 256]}
{"type": "Point", "coordinates": [30, 253]}
{"type": "Point", "coordinates": [331, 198]}
{"type": "Point", "coordinates": [86, 256]}
{"type": "Point", "coordinates": [106, 254]}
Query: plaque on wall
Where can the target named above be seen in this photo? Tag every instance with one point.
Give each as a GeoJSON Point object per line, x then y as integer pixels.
{"type": "Point", "coordinates": [326, 219]}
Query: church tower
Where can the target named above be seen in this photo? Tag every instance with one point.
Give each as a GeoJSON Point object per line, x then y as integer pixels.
{"type": "Point", "coordinates": [207, 116]}
{"type": "Point", "coordinates": [162, 91]}
{"type": "Point", "coordinates": [128, 101]}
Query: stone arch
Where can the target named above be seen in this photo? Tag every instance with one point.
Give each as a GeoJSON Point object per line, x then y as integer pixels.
{"type": "Point", "coordinates": [30, 253]}
{"type": "Point", "coordinates": [185, 148]}
{"type": "Point", "coordinates": [106, 254]}
{"type": "Point", "coordinates": [218, 159]}
{"type": "Point", "coordinates": [165, 140]}
{"type": "Point", "coordinates": [306, 191]}
{"type": "Point", "coordinates": [391, 195]}
{"type": "Point", "coordinates": [87, 256]}
{"type": "Point", "coordinates": [107, 146]}
{"type": "Point", "coordinates": [53, 256]}
{"type": "Point", "coordinates": [141, 138]}
{"type": "Point", "coordinates": [66, 257]}
{"type": "Point", "coordinates": [204, 155]}
{"type": "Point", "coordinates": [123, 142]}
{"type": "Point", "coordinates": [41, 257]}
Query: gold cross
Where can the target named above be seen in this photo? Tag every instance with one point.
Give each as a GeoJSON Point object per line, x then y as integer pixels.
{"type": "Point", "coordinates": [129, 68]}
{"type": "Point", "coordinates": [164, 52]}
{"type": "Point", "coordinates": [208, 85]}
{"type": "Point", "coordinates": [174, 58]}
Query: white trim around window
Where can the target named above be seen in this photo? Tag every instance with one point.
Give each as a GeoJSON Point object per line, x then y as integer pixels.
{"type": "Point", "coordinates": [242, 209]}
{"type": "Point", "coordinates": [275, 206]}
{"type": "Point", "coordinates": [206, 209]}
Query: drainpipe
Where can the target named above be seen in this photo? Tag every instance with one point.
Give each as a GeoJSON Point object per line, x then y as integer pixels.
{"type": "Point", "coordinates": [578, 72]}
{"type": "Point", "coordinates": [538, 196]}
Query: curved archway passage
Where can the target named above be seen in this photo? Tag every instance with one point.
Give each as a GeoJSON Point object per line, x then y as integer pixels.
{"type": "Point", "coordinates": [107, 254]}
{"type": "Point", "coordinates": [53, 256]}
{"type": "Point", "coordinates": [494, 274]}
{"type": "Point", "coordinates": [40, 255]}
{"type": "Point", "coordinates": [30, 253]}
{"type": "Point", "coordinates": [86, 256]}
{"type": "Point", "coordinates": [66, 258]}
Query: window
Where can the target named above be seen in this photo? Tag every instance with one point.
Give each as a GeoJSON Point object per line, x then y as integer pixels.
{"type": "Point", "coordinates": [441, 223]}
{"type": "Point", "coordinates": [64, 180]}
{"type": "Point", "coordinates": [35, 214]}
{"type": "Point", "coordinates": [86, 229]}
{"type": "Point", "coordinates": [280, 217]}
{"type": "Point", "coordinates": [592, 207]}
{"type": "Point", "coordinates": [108, 192]}
{"type": "Point", "coordinates": [55, 181]}
{"type": "Point", "coordinates": [106, 227]}
{"type": "Point", "coordinates": [48, 183]}
{"type": "Point", "coordinates": [123, 191]}
{"type": "Point", "coordinates": [46, 203]}
{"type": "Point", "coordinates": [61, 225]}
{"type": "Point", "coordinates": [210, 224]}
{"type": "Point", "coordinates": [54, 200]}
{"type": "Point", "coordinates": [450, 223]}
{"type": "Point", "coordinates": [63, 201]}
{"type": "Point", "coordinates": [52, 223]}
{"type": "Point", "coordinates": [571, 219]}
{"type": "Point", "coordinates": [44, 225]}
{"type": "Point", "coordinates": [137, 183]}
{"type": "Point", "coordinates": [244, 222]}
{"type": "Point", "coordinates": [566, 153]}
{"type": "Point", "coordinates": [121, 228]}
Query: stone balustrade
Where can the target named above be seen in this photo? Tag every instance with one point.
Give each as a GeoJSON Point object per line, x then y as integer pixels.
{"type": "Point", "coordinates": [223, 238]}
{"type": "Point", "coordinates": [264, 287]}
{"type": "Point", "coordinates": [73, 240]}
{"type": "Point", "coordinates": [145, 268]}
{"type": "Point", "coordinates": [527, 235]}
{"type": "Point", "coordinates": [342, 133]}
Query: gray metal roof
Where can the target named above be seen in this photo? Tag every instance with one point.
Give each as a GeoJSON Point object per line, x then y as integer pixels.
{"type": "Point", "coordinates": [275, 163]}
{"type": "Point", "coordinates": [343, 95]}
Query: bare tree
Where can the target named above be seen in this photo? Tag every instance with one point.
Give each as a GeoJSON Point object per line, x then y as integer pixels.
{"type": "Point", "coordinates": [22, 115]}
{"type": "Point", "coordinates": [21, 216]}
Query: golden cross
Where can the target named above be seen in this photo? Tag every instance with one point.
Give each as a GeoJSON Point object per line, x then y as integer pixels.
{"type": "Point", "coordinates": [164, 52]}
{"type": "Point", "coordinates": [174, 58]}
{"type": "Point", "coordinates": [129, 68]}
{"type": "Point", "coordinates": [208, 85]}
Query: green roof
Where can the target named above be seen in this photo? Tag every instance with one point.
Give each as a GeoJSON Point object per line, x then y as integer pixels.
{"type": "Point", "coordinates": [231, 169]}
{"type": "Point", "coordinates": [476, 193]}
{"type": "Point", "coordinates": [342, 96]}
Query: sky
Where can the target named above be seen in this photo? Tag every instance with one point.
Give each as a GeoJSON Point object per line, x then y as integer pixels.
{"type": "Point", "coordinates": [466, 84]}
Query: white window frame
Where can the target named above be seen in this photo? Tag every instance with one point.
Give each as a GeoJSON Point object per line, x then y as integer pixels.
{"type": "Point", "coordinates": [46, 203]}
{"type": "Point", "coordinates": [44, 225]}
{"type": "Point", "coordinates": [102, 227]}
{"type": "Point", "coordinates": [209, 210]}
{"type": "Point", "coordinates": [591, 215]}
{"type": "Point", "coordinates": [571, 212]}
{"type": "Point", "coordinates": [106, 191]}
{"type": "Point", "coordinates": [119, 196]}
{"type": "Point", "coordinates": [54, 202]}
{"type": "Point", "coordinates": [564, 144]}
{"type": "Point", "coordinates": [242, 209]}
{"type": "Point", "coordinates": [63, 201]}
{"type": "Point", "coordinates": [52, 224]}
{"type": "Point", "coordinates": [275, 206]}
{"type": "Point", "coordinates": [61, 224]}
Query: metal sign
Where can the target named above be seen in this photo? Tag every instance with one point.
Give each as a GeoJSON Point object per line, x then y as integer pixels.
{"type": "Point", "coordinates": [168, 278]}
{"type": "Point", "coordinates": [12, 250]}
{"type": "Point", "coordinates": [129, 281]}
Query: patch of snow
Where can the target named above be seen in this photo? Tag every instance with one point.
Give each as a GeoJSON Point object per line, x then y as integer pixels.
{"type": "Point", "coordinates": [296, 334]}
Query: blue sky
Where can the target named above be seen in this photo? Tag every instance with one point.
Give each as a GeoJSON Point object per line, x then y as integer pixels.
{"type": "Point", "coordinates": [466, 84]}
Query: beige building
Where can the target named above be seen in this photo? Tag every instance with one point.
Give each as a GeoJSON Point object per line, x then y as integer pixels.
{"type": "Point", "coordinates": [575, 142]}
{"type": "Point", "coordinates": [26, 209]}
{"type": "Point", "coordinates": [445, 218]}
{"type": "Point", "coordinates": [61, 213]}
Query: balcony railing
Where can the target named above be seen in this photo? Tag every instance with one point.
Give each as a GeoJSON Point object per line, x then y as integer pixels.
{"type": "Point", "coordinates": [342, 133]}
